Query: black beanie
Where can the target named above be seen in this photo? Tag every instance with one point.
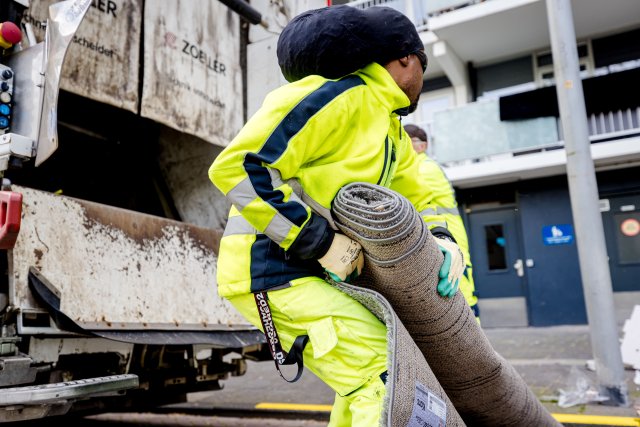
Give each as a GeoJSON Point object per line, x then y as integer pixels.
{"type": "Point", "coordinates": [337, 40]}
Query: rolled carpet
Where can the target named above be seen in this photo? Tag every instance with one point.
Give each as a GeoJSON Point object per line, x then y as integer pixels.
{"type": "Point", "coordinates": [414, 397]}
{"type": "Point", "coordinates": [402, 261]}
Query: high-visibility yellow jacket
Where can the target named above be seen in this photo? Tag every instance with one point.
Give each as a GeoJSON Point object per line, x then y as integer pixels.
{"type": "Point", "coordinates": [444, 198]}
{"type": "Point", "coordinates": [283, 169]}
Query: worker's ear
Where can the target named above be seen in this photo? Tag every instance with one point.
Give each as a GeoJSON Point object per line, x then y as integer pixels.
{"type": "Point", "coordinates": [404, 61]}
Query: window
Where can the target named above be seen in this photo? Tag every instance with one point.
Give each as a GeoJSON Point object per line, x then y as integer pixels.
{"type": "Point", "coordinates": [496, 243]}
{"type": "Point", "coordinates": [543, 64]}
{"type": "Point", "coordinates": [504, 78]}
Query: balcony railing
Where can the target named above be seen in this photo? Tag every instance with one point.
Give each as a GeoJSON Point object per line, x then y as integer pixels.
{"type": "Point", "coordinates": [438, 7]}
{"type": "Point", "coordinates": [419, 11]}
{"type": "Point", "coordinates": [614, 124]}
{"type": "Point", "coordinates": [364, 4]}
{"type": "Point", "coordinates": [474, 132]}
{"type": "Point", "coordinates": [413, 9]}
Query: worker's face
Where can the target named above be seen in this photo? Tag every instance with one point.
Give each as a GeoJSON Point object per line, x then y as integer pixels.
{"type": "Point", "coordinates": [417, 68]}
{"type": "Point", "coordinates": [419, 145]}
{"type": "Point", "coordinates": [407, 72]}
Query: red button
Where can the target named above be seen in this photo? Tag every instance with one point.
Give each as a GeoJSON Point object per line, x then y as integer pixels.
{"type": "Point", "coordinates": [10, 32]}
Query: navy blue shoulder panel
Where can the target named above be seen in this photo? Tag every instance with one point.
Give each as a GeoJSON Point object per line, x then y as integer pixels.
{"type": "Point", "coordinates": [301, 113]}
{"type": "Point", "coordinates": [272, 268]}
{"type": "Point", "coordinates": [277, 143]}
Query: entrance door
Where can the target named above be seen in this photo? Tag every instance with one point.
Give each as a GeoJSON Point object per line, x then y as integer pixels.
{"type": "Point", "coordinates": [498, 270]}
{"type": "Point", "coordinates": [498, 267]}
{"type": "Point", "coordinates": [622, 230]}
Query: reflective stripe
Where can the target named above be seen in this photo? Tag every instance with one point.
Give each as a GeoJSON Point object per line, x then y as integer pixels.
{"type": "Point", "coordinates": [437, 224]}
{"type": "Point", "coordinates": [239, 225]}
{"type": "Point", "coordinates": [276, 178]}
{"type": "Point", "coordinates": [277, 143]}
{"type": "Point", "coordinates": [242, 194]}
{"type": "Point", "coordinates": [276, 181]}
{"type": "Point", "coordinates": [309, 201]}
{"type": "Point", "coordinates": [278, 229]}
{"type": "Point", "coordinates": [440, 211]}
{"type": "Point", "coordinates": [452, 211]}
{"type": "Point", "coordinates": [294, 198]}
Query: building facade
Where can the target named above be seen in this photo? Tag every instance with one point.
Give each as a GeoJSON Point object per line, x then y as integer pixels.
{"type": "Point", "coordinates": [490, 108]}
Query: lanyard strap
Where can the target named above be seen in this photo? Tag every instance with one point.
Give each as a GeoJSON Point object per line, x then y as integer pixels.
{"type": "Point", "coordinates": [279, 355]}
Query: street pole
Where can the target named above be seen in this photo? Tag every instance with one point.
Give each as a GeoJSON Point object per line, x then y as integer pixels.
{"type": "Point", "coordinates": [583, 189]}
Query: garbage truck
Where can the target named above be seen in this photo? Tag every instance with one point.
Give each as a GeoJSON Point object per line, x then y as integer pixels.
{"type": "Point", "coordinates": [101, 307]}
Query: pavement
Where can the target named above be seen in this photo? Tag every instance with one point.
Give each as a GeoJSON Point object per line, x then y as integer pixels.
{"type": "Point", "coordinates": [553, 361]}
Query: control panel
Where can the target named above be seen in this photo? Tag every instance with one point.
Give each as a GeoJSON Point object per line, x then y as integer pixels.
{"type": "Point", "coordinates": [6, 97]}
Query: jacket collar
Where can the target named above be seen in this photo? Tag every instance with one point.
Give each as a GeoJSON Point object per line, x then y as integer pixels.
{"type": "Point", "coordinates": [384, 88]}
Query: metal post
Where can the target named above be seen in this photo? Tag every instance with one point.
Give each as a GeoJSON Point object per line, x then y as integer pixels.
{"type": "Point", "coordinates": [592, 253]}
{"type": "Point", "coordinates": [244, 9]}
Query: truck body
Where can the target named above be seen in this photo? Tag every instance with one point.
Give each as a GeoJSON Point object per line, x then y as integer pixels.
{"type": "Point", "coordinates": [101, 308]}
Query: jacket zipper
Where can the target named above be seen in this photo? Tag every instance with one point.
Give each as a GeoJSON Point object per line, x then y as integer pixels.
{"type": "Point", "coordinates": [389, 160]}
{"type": "Point", "coordinates": [390, 169]}
{"type": "Point", "coordinates": [386, 158]}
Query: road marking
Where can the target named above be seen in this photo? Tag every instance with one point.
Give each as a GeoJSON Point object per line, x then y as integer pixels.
{"type": "Point", "coordinates": [540, 362]}
{"type": "Point", "coordinates": [293, 407]}
{"type": "Point", "coordinates": [601, 420]}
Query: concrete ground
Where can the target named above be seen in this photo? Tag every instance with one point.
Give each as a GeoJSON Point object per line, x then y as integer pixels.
{"type": "Point", "coordinates": [549, 359]}
{"type": "Point", "coordinates": [555, 358]}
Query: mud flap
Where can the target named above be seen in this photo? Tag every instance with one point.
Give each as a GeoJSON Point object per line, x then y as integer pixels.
{"type": "Point", "coordinates": [49, 296]}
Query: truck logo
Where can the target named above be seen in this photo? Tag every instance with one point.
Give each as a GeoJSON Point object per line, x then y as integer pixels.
{"type": "Point", "coordinates": [170, 40]}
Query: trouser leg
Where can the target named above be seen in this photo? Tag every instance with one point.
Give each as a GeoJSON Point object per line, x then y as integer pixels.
{"type": "Point", "coordinates": [340, 413]}
{"type": "Point", "coordinates": [361, 408]}
{"type": "Point", "coordinates": [347, 343]}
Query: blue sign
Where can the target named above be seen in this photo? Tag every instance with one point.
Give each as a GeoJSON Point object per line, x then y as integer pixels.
{"type": "Point", "coordinates": [560, 234]}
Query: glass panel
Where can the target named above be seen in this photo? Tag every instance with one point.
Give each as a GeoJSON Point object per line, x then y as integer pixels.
{"type": "Point", "coordinates": [496, 243]}
{"type": "Point", "coordinates": [628, 237]}
{"type": "Point", "coordinates": [428, 105]}
{"type": "Point", "coordinates": [475, 131]}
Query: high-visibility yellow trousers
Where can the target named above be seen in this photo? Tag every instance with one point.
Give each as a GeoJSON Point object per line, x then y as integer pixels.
{"type": "Point", "coordinates": [347, 346]}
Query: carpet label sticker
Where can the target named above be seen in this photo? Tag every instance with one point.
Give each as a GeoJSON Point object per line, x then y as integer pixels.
{"type": "Point", "coordinates": [428, 409]}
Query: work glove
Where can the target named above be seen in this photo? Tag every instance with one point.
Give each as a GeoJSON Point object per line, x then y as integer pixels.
{"type": "Point", "coordinates": [344, 260]}
{"type": "Point", "coordinates": [452, 267]}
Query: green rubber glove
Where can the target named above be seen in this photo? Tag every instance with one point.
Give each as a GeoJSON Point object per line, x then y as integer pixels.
{"type": "Point", "coordinates": [452, 268]}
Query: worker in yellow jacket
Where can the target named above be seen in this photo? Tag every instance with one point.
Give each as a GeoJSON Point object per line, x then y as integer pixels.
{"type": "Point", "coordinates": [444, 198]}
{"type": "Point", "coordinates": [280, 250]}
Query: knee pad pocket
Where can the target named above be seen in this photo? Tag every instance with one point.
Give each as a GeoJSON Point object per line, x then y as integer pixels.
{"type": "Point", "coordinates": [347, 360]}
